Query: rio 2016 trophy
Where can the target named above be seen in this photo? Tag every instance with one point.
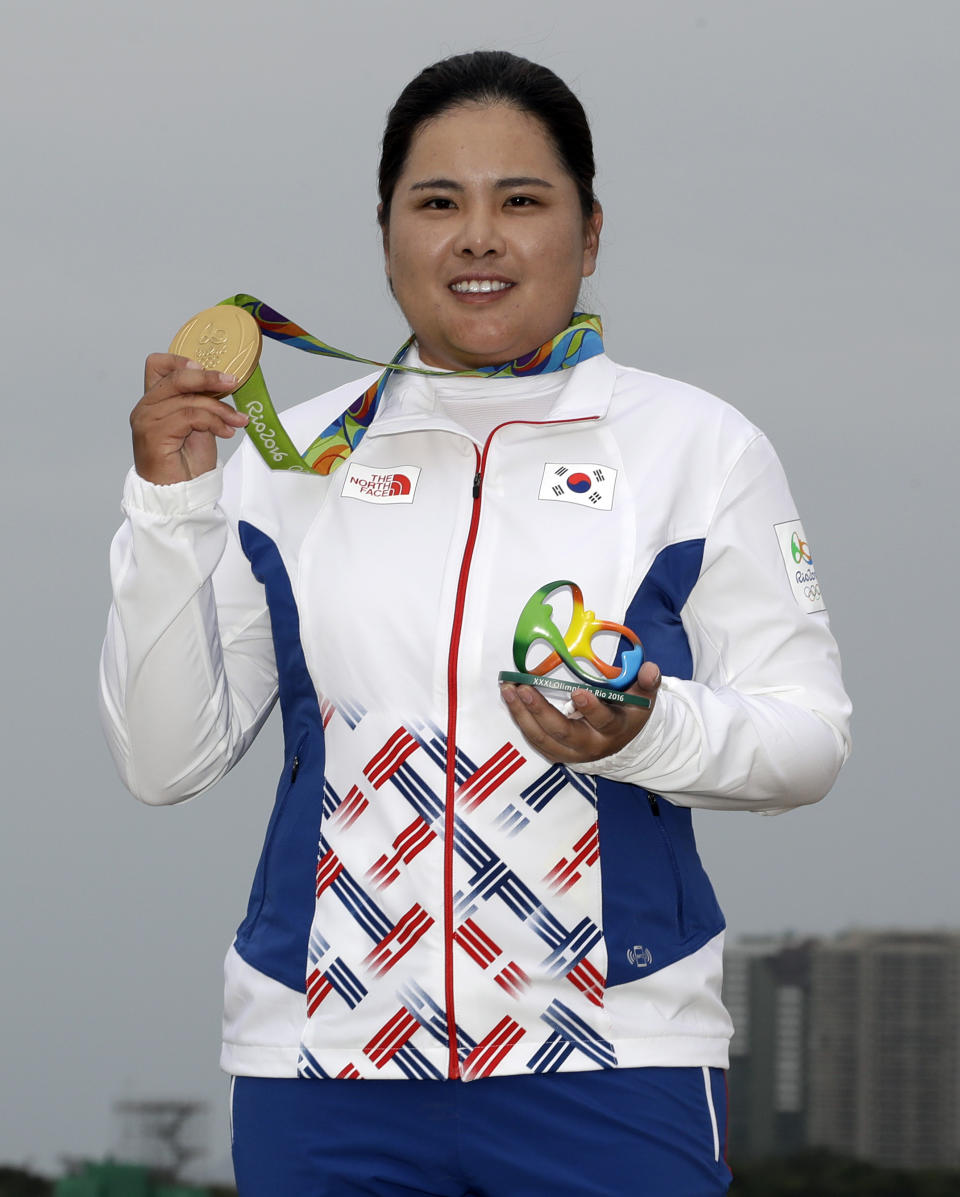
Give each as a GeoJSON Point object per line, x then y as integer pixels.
{"type": "Point", "coordinates": [536, 622]}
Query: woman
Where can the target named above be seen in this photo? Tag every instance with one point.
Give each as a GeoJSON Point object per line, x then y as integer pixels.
{"type": "Point", "coordinates": [456, 885]}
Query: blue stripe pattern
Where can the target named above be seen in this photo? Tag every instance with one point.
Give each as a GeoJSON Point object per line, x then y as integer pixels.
{"type": "Point", "coordinates": [658, 904]}
{"type": "Point", "coordinates": [273, 936]}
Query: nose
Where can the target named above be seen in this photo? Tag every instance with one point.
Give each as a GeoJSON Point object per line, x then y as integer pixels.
{"type": "Point", "coordinates": [479, 234]}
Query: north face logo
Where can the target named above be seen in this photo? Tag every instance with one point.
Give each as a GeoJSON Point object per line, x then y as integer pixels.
{"type": "Point", "coordinates": [395, 484]}
{"type": "Point", "coordinates": [383, 485]}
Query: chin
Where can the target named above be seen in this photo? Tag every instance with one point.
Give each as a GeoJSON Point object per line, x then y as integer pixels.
{"type": "Point", "coordinates": [493, 347]}
{"type": "Point", "coordinates": [485, 355]}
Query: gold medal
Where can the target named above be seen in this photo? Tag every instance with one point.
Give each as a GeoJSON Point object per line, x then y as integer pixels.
{"type": "Point", "coordinates": [223, 338]}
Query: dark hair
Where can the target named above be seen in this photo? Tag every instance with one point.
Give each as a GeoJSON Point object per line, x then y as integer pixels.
{"type": "Point", "coordinates": [489, 77]}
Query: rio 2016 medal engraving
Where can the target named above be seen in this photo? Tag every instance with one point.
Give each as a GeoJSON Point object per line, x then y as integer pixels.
{"type": "Point", "coordinates": [223, 338]}
{"type": "Point", "coordinates": [536, 622]}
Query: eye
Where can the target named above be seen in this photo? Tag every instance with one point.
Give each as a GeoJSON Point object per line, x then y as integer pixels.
{"type": "Point", "coordinates": [438, 203]}
{"type": "Point", "coordinates": [520, 201]}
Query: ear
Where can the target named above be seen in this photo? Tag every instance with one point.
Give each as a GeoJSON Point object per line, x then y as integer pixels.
{"type": "Point", "coordinates": [591, 239]}
{"type": "Point", "coordinates": [385, 238]}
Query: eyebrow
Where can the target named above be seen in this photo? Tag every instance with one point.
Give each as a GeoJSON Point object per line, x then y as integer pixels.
{"type": "Point", "coordinates": [501, 184]}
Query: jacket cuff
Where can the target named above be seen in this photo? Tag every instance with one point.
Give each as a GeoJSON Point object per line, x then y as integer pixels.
{"type": "Point", "coordinates": [175, 498]}
{"type": "Point", "coordinates": [643, 751]}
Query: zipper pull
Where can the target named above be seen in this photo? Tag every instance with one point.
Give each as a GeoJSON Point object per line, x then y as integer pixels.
{"type": "Point", "coordinates": [654, 805]}
{"type": "Point", "coordinates": [294, 769]}
{"type": "Point", "coordinates": [477, 479]}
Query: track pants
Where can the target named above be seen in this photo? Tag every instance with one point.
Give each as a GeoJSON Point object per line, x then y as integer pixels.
{"type": "Point", "coordinates": [653, 1132]}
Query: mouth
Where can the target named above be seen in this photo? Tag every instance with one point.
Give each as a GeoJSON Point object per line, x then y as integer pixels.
{"type": "Point", "coordinates": [480, 286]}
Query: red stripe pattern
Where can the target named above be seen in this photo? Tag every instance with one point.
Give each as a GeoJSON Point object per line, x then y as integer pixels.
{"type": "Point", "coordinates": [350, 809]}
{"type": "Point", "coordinates": [476, 943]}
{"type": "Point", "coordinates": [393, 947]}
{"type": "Point", "coordinates": [391, 1037]}
{"type": "Point", "coordinates": [381, 767]}
{"type": "Point", "coordinates": [408, 844]}
{"type": "Point", "coordinates": [492, 1048]}
{"type": "Point", "coordinates": [489, 777]}
{"type": "Point", "coordinates": [513, 979]}
{"type": "Point", "coordinates": [589, 980]}
{"type": "Point", "coordinates": [318, 987]}
{"type": "Point", "coordinates": [329, 867]}
{"type": "Point", "coordinates": [566, 873]}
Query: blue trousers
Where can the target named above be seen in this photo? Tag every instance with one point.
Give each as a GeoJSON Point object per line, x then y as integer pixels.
{"type": "Point", "coordinates": [650, 1132]}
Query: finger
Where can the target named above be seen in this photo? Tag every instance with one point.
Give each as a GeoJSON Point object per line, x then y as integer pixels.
{"type": "Point", "coordinates": [542, 725]}
{"type": "Point", "coordinates": [158, 410]}
{"type": "Point", "coordinates": [179, 416]}
{"type": "Point", "coordinates": [559, 738]}
{"type": "Point", "coordinates": [189, 379]}
{"type": "Point", "coordinates": [158, 365]}
{"type": "Point", "coordinates": [607, 717]}
{"type": "Point", "coordinates": [648, 679]}
{"type": "Point", "coordinates": [601, 716]}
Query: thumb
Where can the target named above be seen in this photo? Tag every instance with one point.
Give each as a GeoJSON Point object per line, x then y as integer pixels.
{"type": "Point", "coordinates": [649, 678]}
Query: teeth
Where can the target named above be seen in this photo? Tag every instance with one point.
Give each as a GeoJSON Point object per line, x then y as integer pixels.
{"type": "Point", "coordinates": [476, 286]}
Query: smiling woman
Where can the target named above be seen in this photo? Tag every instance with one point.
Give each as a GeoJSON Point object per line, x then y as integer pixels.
{"type": "Point", "coordinates": [486, 259]}
{"type": "Point", "coordinates": [458, 885]}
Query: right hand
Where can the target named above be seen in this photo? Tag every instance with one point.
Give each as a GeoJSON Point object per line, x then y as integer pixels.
{"type": "Point", "coordinates": [176, 423]}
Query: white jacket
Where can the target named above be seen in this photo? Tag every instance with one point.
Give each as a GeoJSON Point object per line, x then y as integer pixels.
{"type": "Point", "coordinates": [434, 898]}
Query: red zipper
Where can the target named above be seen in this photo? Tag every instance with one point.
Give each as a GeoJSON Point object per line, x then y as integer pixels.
{"type": "Point", "coordinates": [453, 1068]}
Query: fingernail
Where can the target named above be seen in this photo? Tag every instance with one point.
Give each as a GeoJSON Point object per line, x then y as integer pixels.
{"type": "Point", "coordinates": [192, 365]}
{"type": "Point", "coordinates": [525, 696]}
{"type": "Point", "coordinates": [580, 699]}
{"type": "Point", "coordinates": [509, 694]}
{"type": "Point", "coordinates": [229, 379]}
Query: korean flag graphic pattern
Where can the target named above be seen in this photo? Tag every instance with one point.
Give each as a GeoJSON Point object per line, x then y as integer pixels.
{"type": "Point", "coordinates": [585, 484]}
{"type": "Point", "coordinates": [525, 912]}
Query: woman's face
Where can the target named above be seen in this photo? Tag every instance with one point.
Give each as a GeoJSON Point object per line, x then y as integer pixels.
{"type": "Point", "coordinates": [484, 202]}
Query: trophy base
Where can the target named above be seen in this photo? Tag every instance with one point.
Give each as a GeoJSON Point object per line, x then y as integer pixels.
{"type": "Point", "coordinates": [604, 693]}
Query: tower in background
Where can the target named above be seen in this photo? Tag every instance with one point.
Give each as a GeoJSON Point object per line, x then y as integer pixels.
{"type": "Point", "coordinates": [851, 1043]}
{"type": "Point", "coordinates": [885, 1048]}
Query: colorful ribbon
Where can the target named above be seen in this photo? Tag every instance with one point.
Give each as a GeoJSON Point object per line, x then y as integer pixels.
{"type": "Point", "coordinates": [580, 341]}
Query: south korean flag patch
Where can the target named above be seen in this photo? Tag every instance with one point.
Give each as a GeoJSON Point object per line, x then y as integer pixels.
{"type": "Point", "coordinates": [575, 482]}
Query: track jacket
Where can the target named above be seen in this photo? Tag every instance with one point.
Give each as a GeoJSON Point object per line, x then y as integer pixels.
{"type": "Point", "coordinates": [434, 898]}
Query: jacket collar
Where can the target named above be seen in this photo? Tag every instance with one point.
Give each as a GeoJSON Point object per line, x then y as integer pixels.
{"type": "Point", "coordinates": [410, 401]}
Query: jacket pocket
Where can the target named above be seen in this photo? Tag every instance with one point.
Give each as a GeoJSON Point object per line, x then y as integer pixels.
{"type": "Point", "coordinates": [658, 904]}
{"type": "Point", "coordinates": [273, 936]}
{"type": "Point", "coordinates": [654, 802]}
{"type": "Point", "coordinates": [288, 779]}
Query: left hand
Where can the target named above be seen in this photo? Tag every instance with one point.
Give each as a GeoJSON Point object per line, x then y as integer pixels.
{"type": "Point", "coordinates": [598, 729]}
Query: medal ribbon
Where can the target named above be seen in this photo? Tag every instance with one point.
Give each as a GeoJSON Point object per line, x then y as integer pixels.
{"type": "Point", "coordinates": [582, 340]}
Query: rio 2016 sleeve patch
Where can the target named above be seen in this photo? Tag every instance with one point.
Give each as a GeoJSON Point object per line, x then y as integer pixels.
{"type": "Point", "coordinates": [798, 561]}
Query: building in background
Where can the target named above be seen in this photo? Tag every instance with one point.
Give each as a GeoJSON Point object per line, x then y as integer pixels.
{"type": "Point", "coordinates": [765, 986]}
{"type": "Point", "coordinates": [885, 1048]}
{"type": "Point", "coordinates": [850, 1043]}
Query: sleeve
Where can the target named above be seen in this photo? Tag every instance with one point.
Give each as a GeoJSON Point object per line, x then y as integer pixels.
{"type": "Point", "coordinates": [764, 724]}
{"type": "Point", "coordinates": [187, 670]}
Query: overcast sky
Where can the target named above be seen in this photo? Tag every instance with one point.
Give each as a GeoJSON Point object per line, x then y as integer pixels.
{"type": "Point", "coordinates": [780, 186]}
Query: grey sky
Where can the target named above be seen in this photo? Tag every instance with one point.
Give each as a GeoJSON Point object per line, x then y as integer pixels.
{"type": "Point", "coordinates": [780, 185]}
